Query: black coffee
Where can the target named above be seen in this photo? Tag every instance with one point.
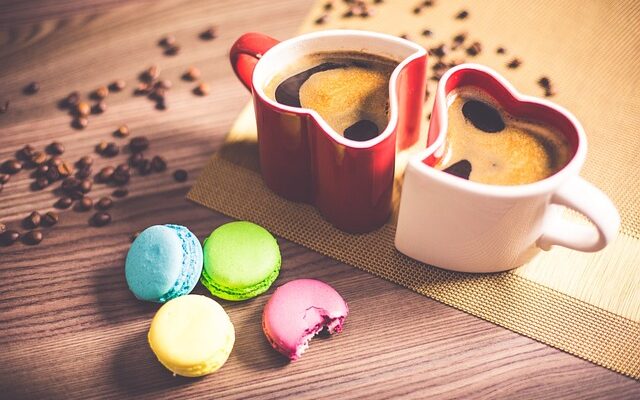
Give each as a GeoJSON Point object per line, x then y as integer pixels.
{"type": "Point", "coordinates": [349, 90]}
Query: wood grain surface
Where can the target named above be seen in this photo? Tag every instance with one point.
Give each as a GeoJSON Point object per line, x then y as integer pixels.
{"type": "Point", "coordinates": [70, 328]}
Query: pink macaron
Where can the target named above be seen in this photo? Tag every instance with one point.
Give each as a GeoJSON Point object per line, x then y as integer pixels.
{"type": "Point", "coordinates": [297, 311]}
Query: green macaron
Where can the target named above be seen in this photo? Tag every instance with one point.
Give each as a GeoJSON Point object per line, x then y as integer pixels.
{"type": "Point", "coordinates": [241, 261]}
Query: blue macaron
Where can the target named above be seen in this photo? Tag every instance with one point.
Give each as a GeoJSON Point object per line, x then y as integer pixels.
{"type": "Point", "coordinates": [164, 262]}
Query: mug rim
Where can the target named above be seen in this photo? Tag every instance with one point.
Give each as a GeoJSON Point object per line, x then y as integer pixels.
{"type": "Point", "coordinates": [418, 52]}
{"type": "Point", "coordinates": [546, 185]}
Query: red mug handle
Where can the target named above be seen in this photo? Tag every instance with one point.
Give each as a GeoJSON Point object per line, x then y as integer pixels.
{"type": "Point", "coordinates": [246, 52]}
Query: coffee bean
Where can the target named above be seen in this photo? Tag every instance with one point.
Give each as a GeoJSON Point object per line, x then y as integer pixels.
{"type": "Point", "coordinates": [4, 178]}
{"type": "Point", "coordinates": [84, 204]}
{"type": "Point", "coordinates": [64, 202]}
{"type": "Point", "coordinates": [122, 131]}
{"type": "Point", "coordinates": [168, 40]}
{"type": "Point", "coordinates": [120, 193]}
{"type": "Point", "coordinates": [101, 218]}
{"type": "Point", "coordinates": [72, 99]}
{"type": "Point", "coordinates": [65, 169]}
{"type": "Point", "coordinates": [202, 89]}
{"type": "Point", "coordinates": [462, 14]}
{"type": "Point", "coordinates": [32, 220]}
{"type": "Point", "coordinates": [322, 19]}
{"type": "Point", "coordinates": [209, 34]}
{"type": "Point", "coordinates": [55, 148]}
{"type": "Point", "coordinates": [192, 74]}
{"type": "Point", "coordinates": [84, 162]}
{"type": "Point", "coordinates": [172, 50]}
{"type": "Point", "coordinates": [99, 107]}
{"type": "Point", "coordinates": [501, 50]}
{"type": "Point", "coordinates": [483, 116]}
{"type": "Point", "coordinates": [42, 170]}
{"type": "Point", "coordinates": [38, 158]}
{"type": "Point", "coordinates": [110, 150]}
{"type": "Point", "coordinates": [52, 174]}
{"type": "Point", "coordinates": [9, 237]}
{"type": "Point", "coordinates": [80, 123]}
{"type": "Point", "coordinates": [117, 85]}
{"type": "Point", "coordinates": [135, 159]}
{"type": "Point", "coordinates": [158, 164]}
{"type": "Point", "coordinates": [121, 175]}
{"type": "Point", "coordinates": [85, 185]}
{"type": "Point", "coordinates": [55, 161]}
{"type": "Point", "coordinates": [138, 144]}
{"type": "Point", "coordinates": [151, 74]}
{"type": "Point", "coordinates": [157, 94]}
{"type": "Point", "coordinates": [33, 237]}
{"type": "Point", "coordinates": [83, 108]}
{"type": "Point", "coordinates": [32, 88]}
{"type": "Point", "coordinates": [4, 107]}
{"type": "Point", "coordinates": [105, 174]}
{"type": "Point", "coordinates": [461, 169]}
{"type": "Point", "coordinates": [101, 92]}
{"type": "Point", "coordinates": [41, 183]}
{"type": "Point", "coordinates": [144, 167]}
{"type": "Point", "coordinates": [439, 51]}
{"type": "Point", "coordinates": [84, 173]}
{"type": "Point", "coordinates": [104, 204]}
{"type": "Point", "coordinates": [180, 175]}
{"type": "Point", "coordinates": [25, 153]}
{"type": "Point", "coordinates": [3, 228]}
{"type": "Point", "coordinates": [142, 89]}
{"type": "Point", "coordinates": [12, 166]}
{"type": "Point", "coordinates": [161, 104]}
{"type": "Point", "coordinates": [515, 63]}
{"type": "Point", "coordinates": [50, 219]}
{"type": "Point", "coordinates": [460, 38]}
{"type": "Point", "coordinates": [427, 33]}
{"type": "Point", "coordinates": [474, 49]}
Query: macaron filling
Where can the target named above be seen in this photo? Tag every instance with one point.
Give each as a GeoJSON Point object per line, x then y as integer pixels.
{"type": "Point", "coordinates": [188, 276]}
{"type": "Point", "coordinates": [239, 293]}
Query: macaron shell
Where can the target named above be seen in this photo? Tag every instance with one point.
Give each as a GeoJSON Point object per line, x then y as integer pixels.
{"type": "Point", "coordinates": [154, 263]}
{"type": "Point", "coordinates": [299, 309]}
{"type": "Point", "coordinates": [241, 260]}
{"type": "Point", "coordinates": [191, 335]}
{"type": "Point", "coordinates": [192, 260]}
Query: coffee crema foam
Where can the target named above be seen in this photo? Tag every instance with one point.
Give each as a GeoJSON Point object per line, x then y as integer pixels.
{"type": "Point", "coordinates": [349, 90]}
{"type": "Point", "coordinates": [486, 145]}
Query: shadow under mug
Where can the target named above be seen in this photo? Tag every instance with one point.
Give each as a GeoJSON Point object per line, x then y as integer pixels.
{"type": "Point", "coordinates": [302, 158]}
{"type": "Point", "coordinates": [466, 226]}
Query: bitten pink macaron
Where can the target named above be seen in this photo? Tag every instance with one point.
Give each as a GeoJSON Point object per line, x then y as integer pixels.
{"type": "Point", "coordinates": [297, 311]}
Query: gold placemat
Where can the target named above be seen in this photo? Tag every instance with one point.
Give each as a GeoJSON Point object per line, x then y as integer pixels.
{"type": "Point", "coordinates": [585, 304]}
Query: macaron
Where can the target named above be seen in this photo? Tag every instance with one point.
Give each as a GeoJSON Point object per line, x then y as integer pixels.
{"type": "Point", "coordinates": [297, 311]}
{"type": "Point", "coordinates": [241, 261]}
{"type": "Point", "coordinates": [164, 262]}
{"type": "Point", "coordinates": [191, 335]}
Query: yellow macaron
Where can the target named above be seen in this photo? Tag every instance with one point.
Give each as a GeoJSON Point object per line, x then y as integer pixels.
{"type": "Point", "coordinates": [191, 335]}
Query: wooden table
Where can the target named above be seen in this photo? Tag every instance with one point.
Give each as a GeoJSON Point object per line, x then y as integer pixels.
{"type": "Point", "coordinates": [69, 326]}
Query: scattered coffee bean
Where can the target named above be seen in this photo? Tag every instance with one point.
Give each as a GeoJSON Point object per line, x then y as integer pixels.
{"type": "Point", "coordinates": [64, 202]}
{"type": "Point", "coordinates": [4, 107]}
{"type": "Point", "coordinates": [101, 218]}
{"type": "Point", "coordinates": [50, 219]}
{"type": "Point", "coordinates": [52, 174]}
{"type": "Point", "coordinates": [515, 63]}
{"type": "Point", "coordinates": [138, 144]}
{"type": "Point", "coordinates": [3, 228]}
{"type": "Point", "coordinates": [119, 193]}
{"type": "Point", "coordinates": [12, 166]}
{"type": "Point", "coordinates": [172, 50]}
{"type": "Point", "coordinates": [144, 168]}
{"type": "Point", "coordinates": [545, 83]}
{"type": "Point", "coordinates": [55, 148]}
{"type": "Point", "coordinates": [55, 161]}
{"type": "Point", "coordinates": [151, 74]}
{"type": "Point", "coordinates": [427, 33]}
{"type": "Point", "coordinates": [122, 131]}
{"type": "Point", "coordinates": [64, 169]}
{"type": "Point", "coordinates": [121, 175]}
{"type": "Point", "coordinates": [439, 51]}
{"type": "Point", "coordinates": [462, 14]}
{"type": "Point", "coordinates": [460, 38]}
{"type": "Point", "coordinates": [105, 174]}
{"type": "Point", "coordinates": [83, 173]}
{"type": "Point", "coordinates": [104, 204]}
{"type": "Point", "coordinates": [83, 108]}
{"type": "Point", "coordinates": [158, 164]}
{"type": "Point", "coordinates": [86, 185]}
{"type": "Point", "coordinates": [161, 104]}
{"type": "Point", "coordinates": [168, 40]}
{"type": "Point", "coordinates": [474, 49]}
{"type": "Point", "coordinates": [328, 5]}
{"type": "Point", "coordinates": [84, 204]}
{"type": "Point", "coordinates": [135, 159]}
{"type": "Point", "coordinates": [111, 150]}
{"type": "Point", "coordinates": [427, 3]}
{"type": "Point", "coordinates": [25, 153]}
{"type": "Point", "coordinates": [180, 175]}
{"type": "Point", "coordinates": [42, 170]}
{"type": "Point", "coordinates": [32, 88]}
{"type": "Point", "coordinates": [72, 99]}
{"type": "Point", "coordinates": [101, 92]}
{"type": "Point", "coordinates": [501, 50]}
{"type": "Point", "coordinates": [117, 85]}
{"type": "Point", "coordinates": [209, 34]}
{"type": "Point", "coordinates": [32, 221]}
{"type": "Point", "coordinates": [84, 162]}
{"type": "Point", "coordinates": [9, 237]}
{"type": "Point", "coordinates": [322, 19]}
{"type": "Point", "coordinates": [33, 237]}
{"type": "Point", "coordinates": [202, 89]}
{"type": "Point", "coordinates": [38, 158]}
{"type": "Point", "coordinates": [80, 123]}
{"type": "Point", "coordinates": [192, 74]}
{"type": "Point", "coordinates": [142, 89]}
{"type": "Point", "coordinates": [4, 178]}
{"type": "Point", "coordinates": [41, 183]}
{"type": "Point", "coordinates": [99, 107]}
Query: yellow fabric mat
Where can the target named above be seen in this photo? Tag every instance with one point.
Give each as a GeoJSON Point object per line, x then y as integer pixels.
{"type": "Point", "coordinates": [585, 304]}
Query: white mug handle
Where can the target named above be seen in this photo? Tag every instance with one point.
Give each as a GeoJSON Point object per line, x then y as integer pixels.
{"type": "Point", "coordinates": [584, 197]}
